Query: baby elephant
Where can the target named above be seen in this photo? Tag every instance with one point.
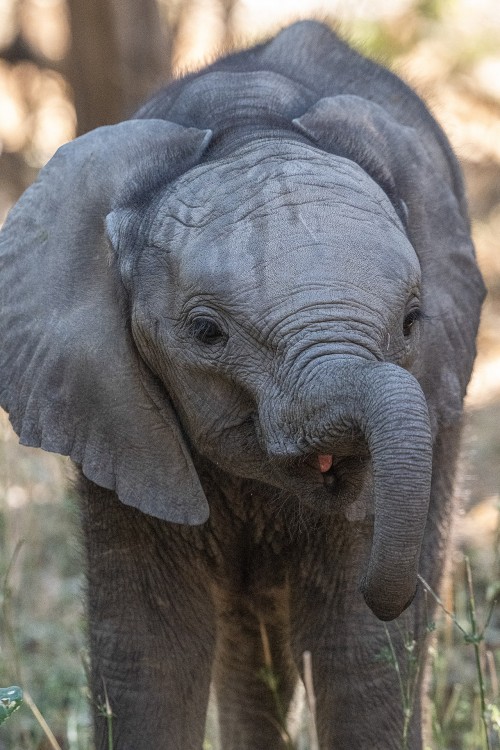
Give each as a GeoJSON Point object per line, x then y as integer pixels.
{"type": "Point", "coordinates": [248, 315]}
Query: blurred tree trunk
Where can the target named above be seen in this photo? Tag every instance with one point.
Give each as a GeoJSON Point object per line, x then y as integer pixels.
{"type": "Point", "coordinates": [120, 53]}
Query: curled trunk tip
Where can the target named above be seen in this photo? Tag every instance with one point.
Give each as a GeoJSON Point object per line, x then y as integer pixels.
{"type": "Point", "coordinates": [383, 607]}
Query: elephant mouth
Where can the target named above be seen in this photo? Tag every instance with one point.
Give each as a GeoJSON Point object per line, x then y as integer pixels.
{"type": "Point", "coordinates": [330, 479]}
{"type": "Point", "coordinates": [327, 466]}
{"type": "Point", "coordinates": [330, 483]}
{"type": "Point", "coordinates": [326, 479]}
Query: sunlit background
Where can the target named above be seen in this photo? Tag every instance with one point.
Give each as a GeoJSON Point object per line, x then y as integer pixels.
{"type": "Point", "coordinates": [69, 65]}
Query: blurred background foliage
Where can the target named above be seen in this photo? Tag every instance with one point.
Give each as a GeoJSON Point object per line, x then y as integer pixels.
{"type": "Point", "coordinates": [67, 66]}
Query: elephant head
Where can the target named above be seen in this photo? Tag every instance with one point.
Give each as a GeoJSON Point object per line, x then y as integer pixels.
{"type": "Point", "coordinates": [259, 302]}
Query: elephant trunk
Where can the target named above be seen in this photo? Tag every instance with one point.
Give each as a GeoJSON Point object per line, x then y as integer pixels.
{"type": "Point", "coordinates": [386, 405]}
{"type": "Point", "coordinates": [395, 422]}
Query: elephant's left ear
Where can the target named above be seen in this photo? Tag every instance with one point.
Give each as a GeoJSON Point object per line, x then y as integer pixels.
{"type": "Point", "coordinates": [416, 169]}
{"type": "Point", "coordinates": [70, 375]}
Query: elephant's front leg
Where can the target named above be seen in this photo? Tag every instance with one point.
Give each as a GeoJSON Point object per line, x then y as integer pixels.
{"type": "Point", "coordinates": [151, 629]}
{"type": "Point", "coordinates": [365, 673]}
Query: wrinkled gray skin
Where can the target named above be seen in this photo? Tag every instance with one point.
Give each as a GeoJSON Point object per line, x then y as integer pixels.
{"type": "Point", "coordinates": [249, 316]}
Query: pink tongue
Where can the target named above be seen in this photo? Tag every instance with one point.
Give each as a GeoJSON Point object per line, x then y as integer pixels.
{"type": "Point", "coordinates": [325, 463]}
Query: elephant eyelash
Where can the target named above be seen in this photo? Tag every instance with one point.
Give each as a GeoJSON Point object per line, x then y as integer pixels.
{"type": "Point", "coordinates": [207, 330]}
{"type": "Point", "coordinates": [410, 319]}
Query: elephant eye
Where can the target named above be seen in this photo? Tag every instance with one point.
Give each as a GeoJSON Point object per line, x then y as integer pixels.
{"type": "Point", "coordinates": [411, 318]}
{"type": "Point", "coordinates": [206, 330]}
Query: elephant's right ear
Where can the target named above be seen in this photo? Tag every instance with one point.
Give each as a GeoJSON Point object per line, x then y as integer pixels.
{"type": "Point", "coordinates": [70, 375]}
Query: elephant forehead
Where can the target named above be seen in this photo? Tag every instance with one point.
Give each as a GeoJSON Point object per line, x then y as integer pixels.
{"type": "Point", "coordinates": [305, 248]}
{"type": "Point", "coordinates": [281, 222]}
{"type": "Point", "coordinates": [259, 178]}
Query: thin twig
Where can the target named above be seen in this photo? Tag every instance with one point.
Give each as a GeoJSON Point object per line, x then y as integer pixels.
{"type": "Point", "coordinates": [109, 717]}
{"type": "Point", "coordinates": [38, 716]}
{"type": "Point", "coordinates": [271, 680]}
{"type": "Point", "coordinates": [493, 604]}
{"type": "Point", "coordinates": [439, 601]}
{"type": "Point", "coordinates": [266, 648]}
{"type": "Point", "coordinates": [395, 664]}
{"type": "Point", "coordinates": [476, 637]}
{"type": "Point", "coordinates": [311, 701]}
